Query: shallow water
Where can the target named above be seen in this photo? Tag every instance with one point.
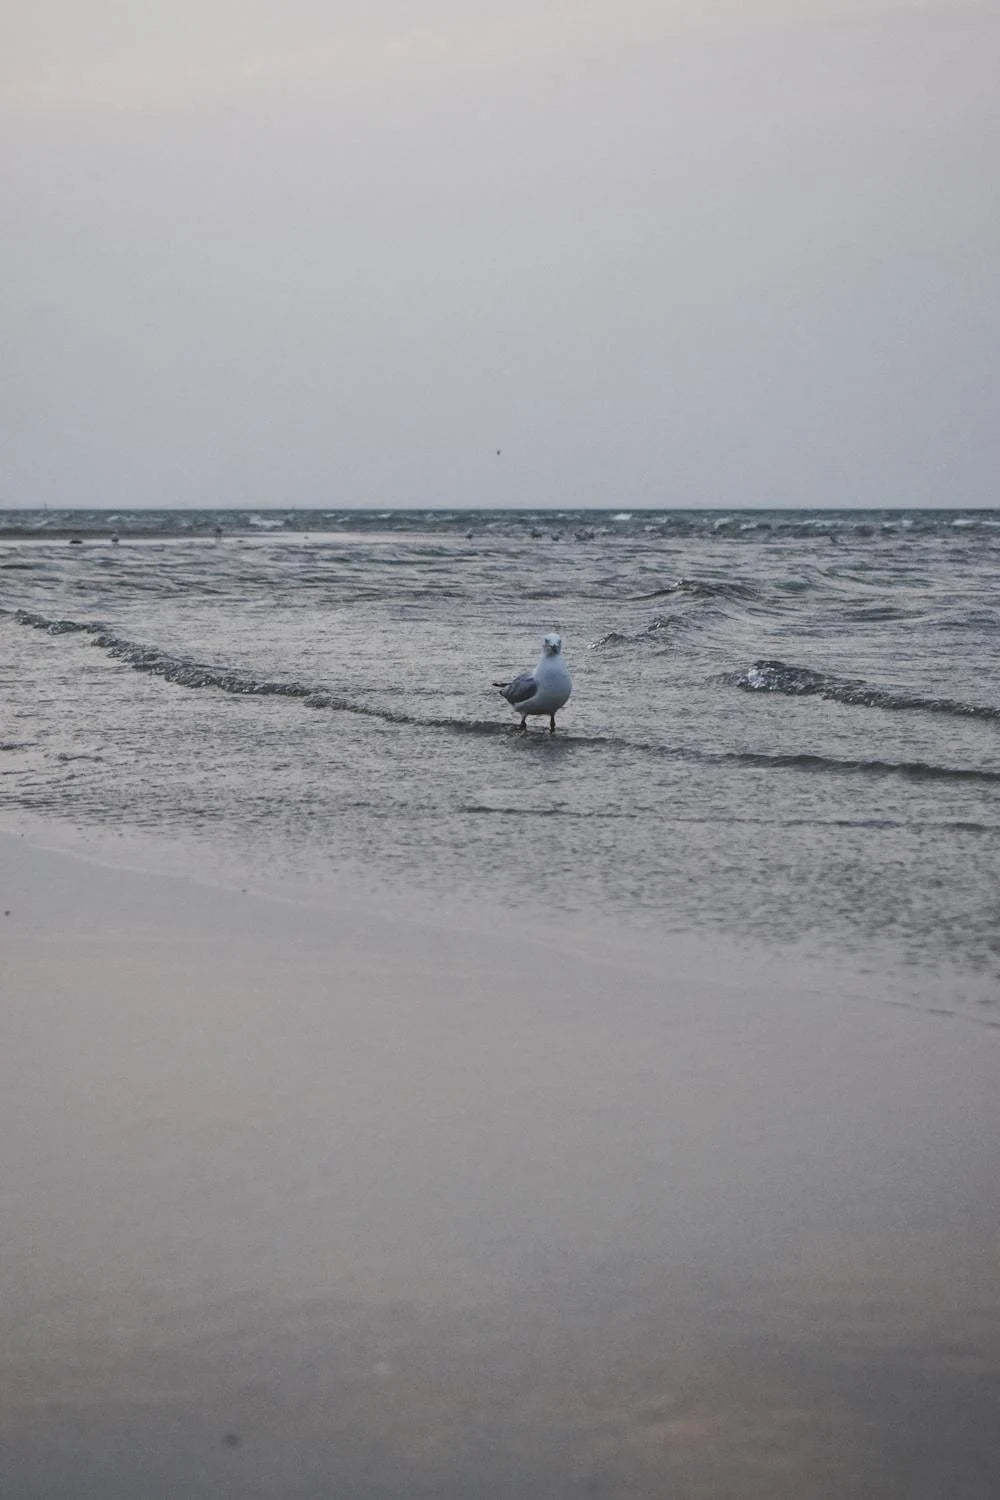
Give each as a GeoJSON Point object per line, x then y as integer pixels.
{"type": "Point", "coordinates": [783, 724]}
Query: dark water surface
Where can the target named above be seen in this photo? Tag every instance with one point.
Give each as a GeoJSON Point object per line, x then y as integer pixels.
{"type": "Point", "coordinates": [783, 724]}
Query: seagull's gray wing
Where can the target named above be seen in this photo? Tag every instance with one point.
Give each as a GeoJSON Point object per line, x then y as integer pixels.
{"type": "Point", "coordinates": [521, 689]}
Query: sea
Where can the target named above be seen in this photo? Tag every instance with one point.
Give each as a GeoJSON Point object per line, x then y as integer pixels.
{"type": "Point", "coordinates": [784, 726]}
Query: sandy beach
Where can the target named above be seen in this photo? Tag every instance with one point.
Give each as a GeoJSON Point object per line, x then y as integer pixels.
{"type": "Point", "coordinates": [336, 1197]}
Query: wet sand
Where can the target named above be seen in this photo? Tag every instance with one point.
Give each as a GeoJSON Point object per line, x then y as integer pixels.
{"type": "Point", "coordinates": [335, 1198]}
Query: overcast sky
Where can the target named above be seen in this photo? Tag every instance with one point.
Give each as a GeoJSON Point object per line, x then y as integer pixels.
{"type": "Point", "coordinates": [657, 252]}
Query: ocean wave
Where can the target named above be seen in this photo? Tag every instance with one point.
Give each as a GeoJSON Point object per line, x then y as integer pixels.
{"type": "Point", "coordinates": [656, 628]}
{"type": "Point", "coordinates": [701, 588]}
{"type": "Point", "coordinates": [54, 627]}
{"type": "Point", "coordinates": [159, 663]}
{"type": "Point", "coordinates": [803, 682]}
{"type": "Point", "coordinates": [811, 762]}
{"type": "Point", "coordinates": [912, 770]}
{"type": "Point", "coordinates": [186, 672]}
{"type": "Point", "coordinates": [723, 820]}
{"type": "Point", "coordinates": [483, 809]}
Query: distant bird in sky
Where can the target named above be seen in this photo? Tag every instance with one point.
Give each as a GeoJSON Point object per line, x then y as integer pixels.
{"type": "Point", "coordinates": [543, 690]}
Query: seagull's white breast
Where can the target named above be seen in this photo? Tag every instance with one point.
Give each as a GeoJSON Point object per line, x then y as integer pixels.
{"type": "Point", "coordinates": [554, 686]}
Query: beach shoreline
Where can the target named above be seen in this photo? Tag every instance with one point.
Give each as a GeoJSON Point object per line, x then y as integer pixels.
{"type": "Point", "coordinates": [332, 1198]}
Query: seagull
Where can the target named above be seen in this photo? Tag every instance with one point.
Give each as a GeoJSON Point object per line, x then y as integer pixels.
{"type": "Point", "coordinates": [543, 691]}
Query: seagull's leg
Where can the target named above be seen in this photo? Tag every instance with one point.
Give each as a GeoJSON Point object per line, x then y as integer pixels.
{"type": "Point", "coordinates": [524, 725]}
{"type": "Point", "coordinates": [552, 723]}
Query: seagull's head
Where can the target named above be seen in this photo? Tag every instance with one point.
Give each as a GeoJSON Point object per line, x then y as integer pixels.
{"type": "Point", "coordinates": [552, 645]}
